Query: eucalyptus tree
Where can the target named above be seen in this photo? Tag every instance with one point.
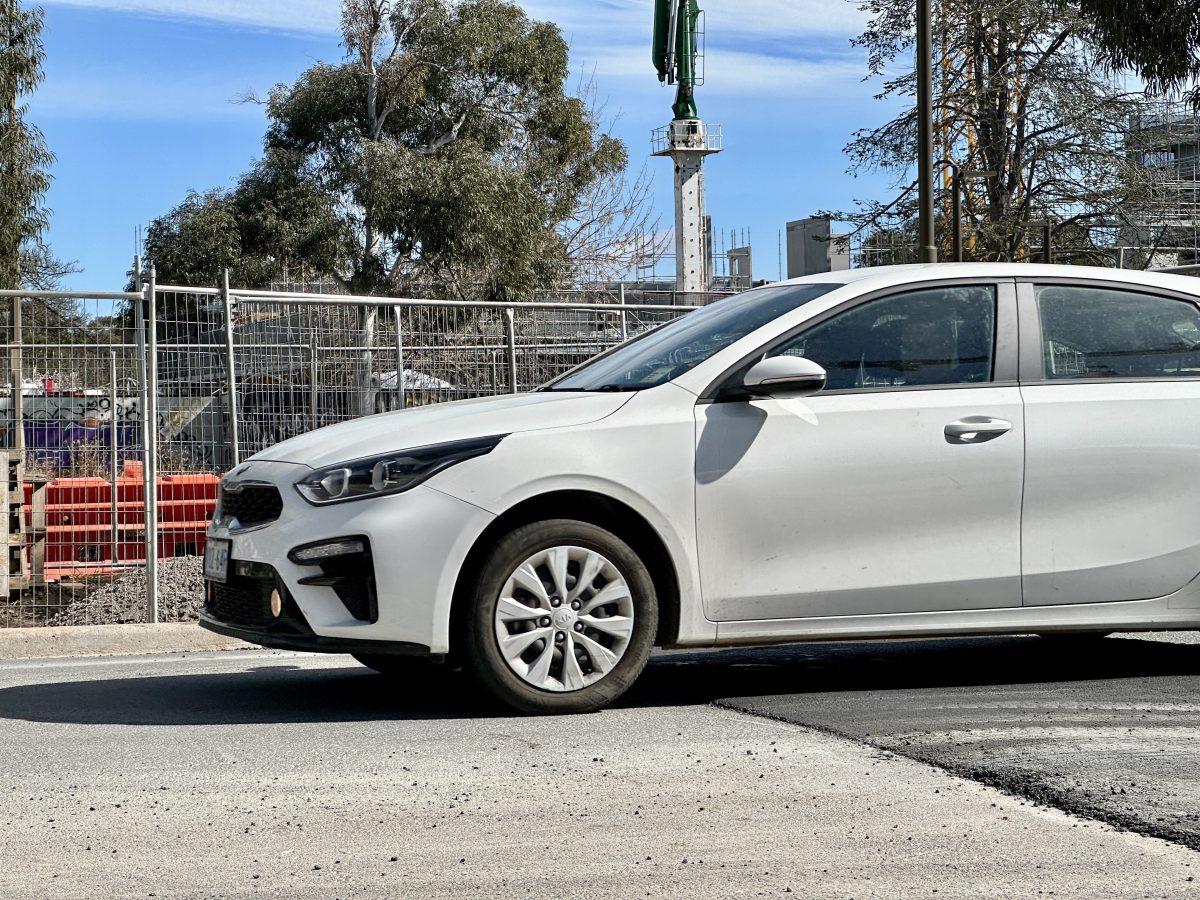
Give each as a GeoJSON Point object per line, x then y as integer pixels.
{"type": "Point", "coordinates": [1159, 39]}
{"type": "Point", "coordinates": [1027, 108]}
{"type": "Point", "coordinates": [443, 150]}
{"type": "Point", "coordinates": [24, 157]}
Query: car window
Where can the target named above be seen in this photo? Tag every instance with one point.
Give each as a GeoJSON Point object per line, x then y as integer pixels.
{"type": "Point", "coordinates": [1090, 332]}
{"type": "Point", "coordinates": [928, 337]}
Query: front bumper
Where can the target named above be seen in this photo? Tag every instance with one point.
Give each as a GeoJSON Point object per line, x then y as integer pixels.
{"type": "Point", "coordinates": [419, 540]}
{"type": "Point", "coordinates": [241, 608]}
{"type": "Point", "coordinates": [314, 643]}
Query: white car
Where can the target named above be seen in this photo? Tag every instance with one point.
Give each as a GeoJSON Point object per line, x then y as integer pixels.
{"type": "Point", "coordinates": [905, 451]}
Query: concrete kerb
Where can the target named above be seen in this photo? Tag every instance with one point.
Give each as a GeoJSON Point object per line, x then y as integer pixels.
{"type": "Point", "coordinates": [111, 640]}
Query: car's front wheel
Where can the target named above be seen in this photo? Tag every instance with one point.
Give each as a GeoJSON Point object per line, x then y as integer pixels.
{"type": "Point", "coordinates": [562, 618]}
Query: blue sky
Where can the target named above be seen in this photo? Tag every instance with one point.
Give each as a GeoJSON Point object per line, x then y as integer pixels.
{"type": "Point", "coordinates": [139, 106]}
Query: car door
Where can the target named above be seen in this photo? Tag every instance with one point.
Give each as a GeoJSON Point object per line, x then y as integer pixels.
{"type": "Point", "coordinates": [1111, 381]}
{"type": "Point", "coordinates": [896, 489]}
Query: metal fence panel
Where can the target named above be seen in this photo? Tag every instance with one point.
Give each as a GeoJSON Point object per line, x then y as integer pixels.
{"type": "Point", "coordinates": [71, 415]}
{"type": "Point", "coordinates": [129, 413]}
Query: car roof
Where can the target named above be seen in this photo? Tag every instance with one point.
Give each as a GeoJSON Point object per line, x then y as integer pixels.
{"type": "Point", "coordinates": [888, 276]}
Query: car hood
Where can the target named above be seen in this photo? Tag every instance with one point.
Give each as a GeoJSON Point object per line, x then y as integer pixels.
{"type": "Point", "coordinates": [442, 422]}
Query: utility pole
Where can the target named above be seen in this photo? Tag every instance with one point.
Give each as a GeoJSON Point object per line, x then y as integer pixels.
{"type": "Point", "coordinates": [925, 130]}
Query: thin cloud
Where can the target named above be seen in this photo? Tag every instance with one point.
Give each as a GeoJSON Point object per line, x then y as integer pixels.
{"type": "Point", "coordinates": [769, 19]}
{"type": "Point", "coordinates": [784, 19]}
{"type": "Point", "coordinates": [793, 44]}
{"type": "Point", "coordinates": [315, 16]}
{"type": "Point", "coordinates": [796, 45]}
{"type": "Point", "coordinates": [131, 98]}
{"type": "Point", "coordinates": [741, 73]}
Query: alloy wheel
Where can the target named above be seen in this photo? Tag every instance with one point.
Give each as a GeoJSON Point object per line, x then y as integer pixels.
{"type": "Point", "coordinates": [564, 618]}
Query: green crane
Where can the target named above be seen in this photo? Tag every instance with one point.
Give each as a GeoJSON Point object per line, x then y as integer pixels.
{"type": "Point", "coordinates": [677, 50]}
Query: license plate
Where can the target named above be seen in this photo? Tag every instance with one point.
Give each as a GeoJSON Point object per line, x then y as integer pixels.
{"type": "Point", "coordinates": [216, 559]}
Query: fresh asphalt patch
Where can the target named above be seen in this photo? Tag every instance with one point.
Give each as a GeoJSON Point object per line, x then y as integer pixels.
{"type": "Point", "coordinates": [1108, 729]}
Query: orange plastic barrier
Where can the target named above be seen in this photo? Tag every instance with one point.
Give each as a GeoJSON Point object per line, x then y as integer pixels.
{"type": "Point", "coordinates": [70, 534]}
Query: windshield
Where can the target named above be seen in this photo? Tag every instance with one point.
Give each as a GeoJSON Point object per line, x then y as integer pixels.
{"type": "Point", "coordinates": [667, 352]}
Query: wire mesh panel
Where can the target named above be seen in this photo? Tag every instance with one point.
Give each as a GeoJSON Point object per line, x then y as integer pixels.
{"type": "Point", "coordinates": [452, 352]}
{"type": "Point", "coordinates": [551, 341]}
{"type": "Point", "coordinates": [191, 403]}
{"type": "Point", "coordinates": [303, 366]}
{"type": "Point", "coordinates": [191, 435]}
{"type": "Point", "coordinates": [301, 362]}
{"type": "Point", "coordinates": [73, 451]}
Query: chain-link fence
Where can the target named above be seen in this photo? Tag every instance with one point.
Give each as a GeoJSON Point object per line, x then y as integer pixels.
{"type": "Point", "coordinates": [131, 405]}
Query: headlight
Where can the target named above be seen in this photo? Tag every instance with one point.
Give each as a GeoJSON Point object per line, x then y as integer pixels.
{"type": "Point", "coordinates": [389, 473]}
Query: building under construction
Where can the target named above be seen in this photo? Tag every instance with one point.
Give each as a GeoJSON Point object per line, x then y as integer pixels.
{"type": "Point", "coordinates": [1166, 232]}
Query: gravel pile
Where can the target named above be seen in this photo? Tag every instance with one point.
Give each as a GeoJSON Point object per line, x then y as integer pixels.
{"type": "Point", "coordinates": [180, 596]}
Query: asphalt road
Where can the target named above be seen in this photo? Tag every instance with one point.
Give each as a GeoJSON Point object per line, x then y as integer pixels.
{"type": "Point", "coordinates": [1108, 729]}
{"type": "Point", "coordinates": [285, 775]}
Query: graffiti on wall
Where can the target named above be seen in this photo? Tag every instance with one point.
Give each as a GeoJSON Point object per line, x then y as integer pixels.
{"type": "Point", "coordinates": [78, 435]}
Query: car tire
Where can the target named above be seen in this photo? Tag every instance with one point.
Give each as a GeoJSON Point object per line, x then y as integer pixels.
{"type": "Point", "coordinates": [573, 653]}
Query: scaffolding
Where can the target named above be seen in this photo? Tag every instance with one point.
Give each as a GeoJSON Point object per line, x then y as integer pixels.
{"type": "Point", "coordinates": [1166, 230]}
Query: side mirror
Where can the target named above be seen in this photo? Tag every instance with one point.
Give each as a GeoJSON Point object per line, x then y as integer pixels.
{"type": "Point", "coordinates": [784, 376]}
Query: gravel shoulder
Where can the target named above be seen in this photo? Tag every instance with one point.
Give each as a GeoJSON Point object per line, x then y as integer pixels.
{"type": "Point", "coordinates": [283, 775]}
{"type": "Point", "coordinates": [122, 601]}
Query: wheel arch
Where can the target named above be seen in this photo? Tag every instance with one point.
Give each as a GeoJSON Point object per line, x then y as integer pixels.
{"type": "Point", "coordinates": [587, 506]}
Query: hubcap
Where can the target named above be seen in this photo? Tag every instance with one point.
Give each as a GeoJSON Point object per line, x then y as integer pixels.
{"type": "Point", "coordinates": [587, 609]}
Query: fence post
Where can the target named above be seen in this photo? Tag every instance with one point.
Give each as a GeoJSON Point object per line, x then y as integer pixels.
{"type": "Point", "coordinates": [366, 363]}
{"type": "Point", "coordinates": [230, 369]}
{"type": "Point", "coordinates": [147, 449]}
{"type": "Point", "coordinates": [152, 497]}
{"type": "Point", "coordinates": [18, 381]}
{"type": "Point", "coordinates": [399, 355]}
{"type": "Point", "coordinates": [12, 567]}
{"type": "Point", "coordinates": [510, 321]}
{"type": "Point", "coordinates": [312, 383]}
{"type": "Point", "coordinates": [114, 447]}
{"type": "Point", "coordinates": [624, 319]}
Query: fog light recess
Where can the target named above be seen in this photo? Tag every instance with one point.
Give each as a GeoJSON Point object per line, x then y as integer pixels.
{"type": "Point", "coordinates": [345, 566]}
{"type": "Point", "coordinates": [276, 603]}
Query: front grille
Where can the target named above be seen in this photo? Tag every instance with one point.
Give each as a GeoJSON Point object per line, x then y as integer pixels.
{"type": "Point", "coordinates": [251, 504]}
{"type": "Point", "coordinates": [239, 602]}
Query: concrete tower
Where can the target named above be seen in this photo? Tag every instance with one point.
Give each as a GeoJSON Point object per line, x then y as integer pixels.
{"type": "Point", "coordinates": [687, 142]}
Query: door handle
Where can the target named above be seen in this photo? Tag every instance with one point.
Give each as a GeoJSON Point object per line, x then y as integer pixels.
{"type": "Point", "coordinates": [976, 430]}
